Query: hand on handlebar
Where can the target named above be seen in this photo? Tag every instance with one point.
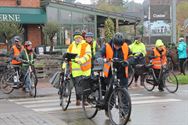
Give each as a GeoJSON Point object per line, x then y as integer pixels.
{"type": "Point", "coordinates": [125, 63]}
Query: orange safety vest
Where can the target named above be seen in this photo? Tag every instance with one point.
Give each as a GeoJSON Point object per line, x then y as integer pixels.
{"type": "Point", "coordinates": [158, 62]}
{"type": "Point", "coordinates": [87, 65]}
{"type": "Point", "coordinates": [16, 54]}
{"type": "Point", "coordinates": [109, 55]}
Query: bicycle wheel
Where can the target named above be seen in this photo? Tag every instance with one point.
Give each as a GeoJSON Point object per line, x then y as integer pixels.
{"type": "Point", "coordinates": [131, 75]}
{"type": "Point", "coordinates": [148, 82]}
{"type": "Point", "coordinates": [170, 82]}
{"type": "Point", "coordinates": [65, 94]}
{"type": "Point", "coordinates": [7, 82]}
{"type": "Point", "coordinates": [185, 67]}
{"type": "Point", "coordinates": [90, 110]}
{"type": "Point", "coordinates": [119, 106]}
{"type": "Point", "coordinates": [33, 82]}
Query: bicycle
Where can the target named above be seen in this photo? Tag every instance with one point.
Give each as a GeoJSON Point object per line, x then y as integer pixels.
{"type": "Point", "coordinates": [134, 67]}
{"type": "Point", "coordinates": [167, 77]}
{"type": "Point", "coordinates": [116, 103]}
{"type": "Point", "coordinates": [185, 67]}
{"type": "Point", "coordinates": [12, 76]}
{"type": "Point", "coordinates": [66, 83]}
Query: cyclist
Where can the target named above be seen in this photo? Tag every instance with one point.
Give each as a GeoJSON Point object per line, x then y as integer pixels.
{"type": "Point", "coordinates": [138, 47]}
{"type": "Point", "coordinates": [159, 58]}
{"type": "Point", "coordinates": [26, 56]}
{"type": "Point", "coordinates": [182, 53]}
{"type": "Point", "coordinates": [116, 48]}
{"type": "Point", "coordinates": [89, 39]}
{"type": "Point", "coordinates": [14, 53]}
{"type": "Point", "coordinates": [82, 65]}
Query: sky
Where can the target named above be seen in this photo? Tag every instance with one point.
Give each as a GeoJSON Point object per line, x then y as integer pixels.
{"type": "Point", "coordinates": [88, 1]}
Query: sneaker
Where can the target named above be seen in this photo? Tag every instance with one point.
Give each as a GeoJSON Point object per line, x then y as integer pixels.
{"type": "Point", "coordinates": [15, 86]}
{"type": "Point", "coordinates": [86, 103]}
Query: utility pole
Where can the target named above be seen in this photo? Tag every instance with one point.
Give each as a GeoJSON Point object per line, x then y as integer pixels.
{"type": "Point", "coordinates": [173, 21]}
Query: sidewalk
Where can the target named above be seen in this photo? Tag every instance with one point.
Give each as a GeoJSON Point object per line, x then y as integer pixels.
{"type": "Point", "coordinates": [44, 88]}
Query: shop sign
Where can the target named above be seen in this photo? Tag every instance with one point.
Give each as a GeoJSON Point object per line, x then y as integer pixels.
{"type": "Point", "coordinates": [10, 17]}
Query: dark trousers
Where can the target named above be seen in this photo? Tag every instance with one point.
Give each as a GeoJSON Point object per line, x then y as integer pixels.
{"type": "Point", "coordinates": [181, 65]}
{"type": "Point", "coordinates": [76, 81]}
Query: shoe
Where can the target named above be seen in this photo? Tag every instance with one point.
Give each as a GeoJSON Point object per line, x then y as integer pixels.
{"type": "Point", "coordinates": [161, 89]}
{"type": "Point", "coordinates": [86, 103]}
{"type": "Point", "coordinates": [15, 86]}
{"type": "Point", "coordinates": [77, 102]}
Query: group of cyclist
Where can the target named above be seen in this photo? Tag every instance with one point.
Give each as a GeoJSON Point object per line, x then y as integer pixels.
{"type": "Point", "coordinates": [21, 55]}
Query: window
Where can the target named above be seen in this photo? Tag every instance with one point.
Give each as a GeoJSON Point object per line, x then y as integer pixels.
{"type": "Point", "coordinates": [77, 18]}
{"type": "Point", "coordinates": [52, 14]}
{"type": "Point", "coordinates": [65, 17]}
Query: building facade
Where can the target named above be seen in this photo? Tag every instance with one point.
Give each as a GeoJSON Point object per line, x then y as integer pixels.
{"type": "Point", "coordinates": [29, 14]}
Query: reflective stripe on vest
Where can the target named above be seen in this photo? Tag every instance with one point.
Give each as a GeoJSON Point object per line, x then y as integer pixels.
{"type": "Point", "coordinates": [87, 65]}
{"type": "Point", "coordinates": [109, 55]}
{"type": "Point", "coordinates": [16, 54]}
{"type": "Point", "coordinates": [157, 62]}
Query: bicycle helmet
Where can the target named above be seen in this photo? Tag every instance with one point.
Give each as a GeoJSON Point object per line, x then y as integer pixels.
{"type": "Point", "coordinates": [118, 39]}
{"type": "Point", "coordinates": [17, 39]}
{"type": "Point", "coordinates": [181, 39]}
{"type": "Point", "coordinates": [77, 34]}
{"type": "Point", "coordinates": [89, 34]}
{"type": "Point", "coordinates": [27, 43]}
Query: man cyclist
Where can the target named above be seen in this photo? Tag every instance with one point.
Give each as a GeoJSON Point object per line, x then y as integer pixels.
{"type": "Point", "coordinates": [14, 53]}
{"type": "Point", "coordinates": [116, 48]}
{"type": "Point", "coordinates": [138, 47]}
{"type": "Point", "coordinates": [159, 58]}
{"type": "Point", "coordinates": [27, 56]}
{"type": "Point", "coordinates": [82, 65]}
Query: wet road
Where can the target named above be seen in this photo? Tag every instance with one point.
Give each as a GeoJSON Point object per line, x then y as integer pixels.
{"type": "Point", "coordinates": [149, 108]}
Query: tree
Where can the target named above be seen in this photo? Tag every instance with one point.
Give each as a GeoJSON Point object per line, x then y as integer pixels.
{"type": "Point", "coordinates": [10, 29]}
{"type": "Point", "coordinates": [181, 15]}
{"type": "Point", "coordinates": [50, 29]}
{"type": "Point", "coordinates": [109, 29]}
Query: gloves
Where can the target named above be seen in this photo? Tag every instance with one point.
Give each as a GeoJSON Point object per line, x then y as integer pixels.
{"type": "Point", "coordinates": [125, 63]}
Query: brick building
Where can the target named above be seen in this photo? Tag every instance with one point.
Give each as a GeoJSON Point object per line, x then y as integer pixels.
{"type": "Point", "coordinates": [26, 12]}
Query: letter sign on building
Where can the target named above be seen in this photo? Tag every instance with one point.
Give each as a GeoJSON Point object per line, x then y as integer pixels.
{"type": "Point", "coordinates": [10, 17]}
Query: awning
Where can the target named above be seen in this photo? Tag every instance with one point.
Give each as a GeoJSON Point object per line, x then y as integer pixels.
{"type": "Point", "coordinates": [23, 15]}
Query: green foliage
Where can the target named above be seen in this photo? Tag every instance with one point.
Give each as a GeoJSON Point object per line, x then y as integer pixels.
{"type": "Point", "coordinates": [50, 29]}
{"type": "Point", "coordinates": [182, 79]}
{"type": "Point", "coordinates": [10, 29]}
{"type": "Point", "coordinates": [109, 29]}
{"type": "Point", "coordinates": [103, 5]}
{"type": "Point", "coordinates": [181, 11]}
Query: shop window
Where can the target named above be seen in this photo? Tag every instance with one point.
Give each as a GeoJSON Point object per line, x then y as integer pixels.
{"type": "Point", "coordinates": [77, 18]}
{"type": "Point", "coordinates": [88, 18]}
{"type": "Point", "coordinates": [52, 14]}
{"type": "Point", "coordinates": [66, 35]}
{"type": "Point", "coordinates": [65, 17]}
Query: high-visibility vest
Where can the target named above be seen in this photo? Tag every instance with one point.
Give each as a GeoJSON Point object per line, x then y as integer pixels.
{"type": "Point", "coordinates": [158, 62]}
{"type": "Point", "coordinates": [109, 55]}
{"type": "Point", "coordinates": [87, 65]}
{"type": "Point", "coordinates": [16, 54]}
{"type": "Point", "coordinates": [31, 59]}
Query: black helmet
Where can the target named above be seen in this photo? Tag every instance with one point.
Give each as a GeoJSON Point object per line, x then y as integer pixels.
{"type": "Point", "coordinates": [118, 39]}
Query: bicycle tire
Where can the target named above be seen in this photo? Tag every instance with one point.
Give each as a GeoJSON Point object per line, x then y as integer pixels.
{"type": "Point", "coordinates": [170, 82]}
{"type": "Point", "coordinates": [91, 109]}
{"type": "Point", "coordinates": [119, 109]}
{"type": "Point", "coordinates": [65, 94]}
{"type": "Point", "coordinates": [185, 67]}
{"type": "Point", "coordinates": [148, 82]}
{"type": "Point", "coordinates": [131, 73]}
{"type": "Point", "coordinates": [5, 86]}
{"type": "Point", "coordinates": [34, 81]}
